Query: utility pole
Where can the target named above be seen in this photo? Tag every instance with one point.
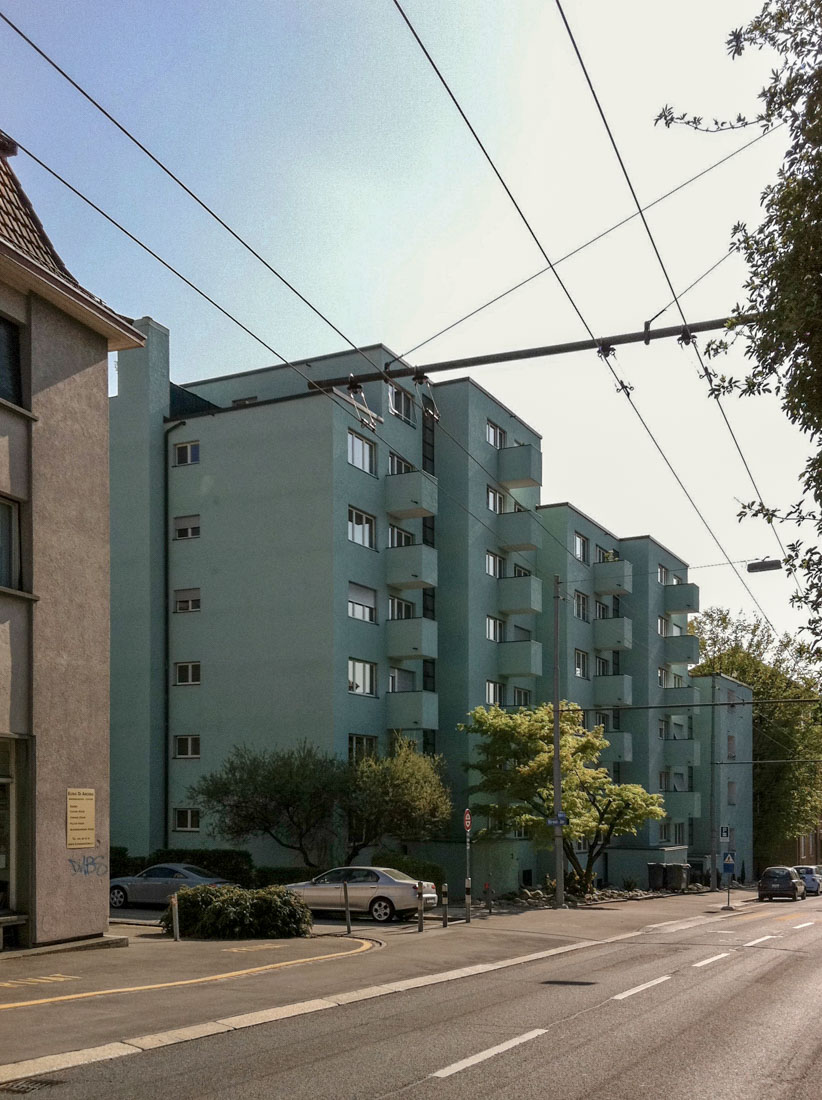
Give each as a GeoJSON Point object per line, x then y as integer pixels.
{"type": "Point", "coordinates": [713, 791]}
{"type": "Point", "coordinates": [559, 900]}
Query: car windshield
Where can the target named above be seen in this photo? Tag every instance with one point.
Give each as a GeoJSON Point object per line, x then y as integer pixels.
{"type": "Point", "coordinates": [189, 869]}
{"type": "Point", "coordinates": [804, 870]}
{"type": "Point", "coordinates": [401, 876]}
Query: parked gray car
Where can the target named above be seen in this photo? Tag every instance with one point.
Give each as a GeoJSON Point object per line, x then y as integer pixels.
{"type": "Point", "coordinates": [781, 882]}
{"type": "Point", "coordinates": [156, 884]}
{"type": "Point", "coordinates": [380, 891]}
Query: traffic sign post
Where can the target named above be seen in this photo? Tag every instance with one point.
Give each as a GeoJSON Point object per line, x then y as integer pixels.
{"type": "Point", "coordinates": [467, 822]}
{"type": "Point", "coordinates": [724, 834]}
{"type": "Point", "coordinates": [728, 865]}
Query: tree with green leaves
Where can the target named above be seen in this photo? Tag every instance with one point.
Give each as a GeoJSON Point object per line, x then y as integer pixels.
{"type": "Point", "coordinates": [515, 760]}
{"type": "Point", "coordinates": [787, 736]}
{"type": "Point", "coordinates": [780, 320]}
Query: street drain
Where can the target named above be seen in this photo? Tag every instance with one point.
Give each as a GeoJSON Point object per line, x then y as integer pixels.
{"type": "Point", "coordinates": [27, 1084]}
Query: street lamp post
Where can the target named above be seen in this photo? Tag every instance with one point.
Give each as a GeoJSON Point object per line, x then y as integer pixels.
{"type": "Point", "coordinates": [559, 897]}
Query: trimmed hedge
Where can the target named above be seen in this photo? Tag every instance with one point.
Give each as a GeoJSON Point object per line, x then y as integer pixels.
{"type": "Point", "coordinates": [422, 869]}
{"type": "Point", "coordinates": [231, 913]}
{"type": "Point", "coordinates": [229, 863]}
{"type": "Point", "coordinates": [280, 876]}
{"type": "Point", "coordinates": [120, 863]}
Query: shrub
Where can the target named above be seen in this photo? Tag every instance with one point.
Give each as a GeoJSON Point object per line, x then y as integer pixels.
{"type": "Point", "coordinates": [231, 913]}
{"type": "Point", "coordinates": [418, 868]}
{"type": "Point", "coordinates": [120, 863]}
{"type": "Point", "coordinates": [629, 884]}
{"type": "Point", "coordinates": [233, 864]}
{"type": "Point", "coordinates": [280, 876]}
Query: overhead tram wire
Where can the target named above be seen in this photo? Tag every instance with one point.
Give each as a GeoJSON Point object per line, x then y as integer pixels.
{"type": "Point", "coordinates": [702, 369]}
{"type": "Point", "coordinates": [621, 386]}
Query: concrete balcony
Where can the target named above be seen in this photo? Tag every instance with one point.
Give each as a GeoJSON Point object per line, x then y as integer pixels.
{"type": "Point", "coordinates": [411, 639]}
{"type": "Point", "coordinates": [411, 496]}
{"type": "Point", "coordinates": [679, 697]}
{"type": "Point", "coordinates": [519, 531]}
{"type": "Point", "coordinates": [681, 753]}
{"type": "Point", "coordinates": [613, 633]}
{"type": "Point", "coordinates": [520, 467]}
{"type": "Point", "coordinates": [682, 650]}
{"type": "Point", "coordinates": [613, 578]}
{"type": "Point", "coordinates": [411, 566]}
{"type": "Point", "coordinates": [519, 595]}
{"type": "Point", "coordinates": [680, 598]}
{"type": "Point", "coordinates": [682, 804]}
{"type": "Point", "coordinates": [621, 746]}
{"type": "Point", "coordinates": [406, 710]}
{"type": "Point", "coordinates": [612, 691]}
{"type": "Point", "coordinates": [520, 658]}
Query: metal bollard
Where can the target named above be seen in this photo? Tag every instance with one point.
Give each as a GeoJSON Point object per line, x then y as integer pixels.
{"type": "Point", "coordinates": [175, 917]}
{"type": "Point", "coordinates": [420, 908]}
{"type": "Point", "coordinates": [445, 905]}
{"type": "Point", "coordinates": [489, 896]}
{"type": "Point", "coordinates": [347, 908]}
{"type": "Point", "coordinates": [468, 901]}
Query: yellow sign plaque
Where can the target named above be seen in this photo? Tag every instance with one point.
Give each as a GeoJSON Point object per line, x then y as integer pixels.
{"type": "Point", "coordinates": [80, 817]}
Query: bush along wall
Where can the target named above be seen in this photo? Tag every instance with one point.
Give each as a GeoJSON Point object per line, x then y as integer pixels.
{"type": "Point", "coordinates": [231, 913]}
{"type": "Point", "coordinates": [421, 869]}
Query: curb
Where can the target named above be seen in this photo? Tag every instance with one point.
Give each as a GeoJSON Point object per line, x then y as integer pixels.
{"type": "Point", "coordinates": [60, 948]}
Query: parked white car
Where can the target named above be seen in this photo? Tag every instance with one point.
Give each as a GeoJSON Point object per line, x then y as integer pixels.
{"type": "Point", "coordinates": [380, 891]}
{"type": "Point", "coordinates": [812, 876]}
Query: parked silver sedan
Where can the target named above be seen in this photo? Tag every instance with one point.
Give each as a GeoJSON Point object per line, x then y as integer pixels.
{"type": "Point", "coordinates": [156, 884]}
{"type": "Point", "coordinates": [380, 891]}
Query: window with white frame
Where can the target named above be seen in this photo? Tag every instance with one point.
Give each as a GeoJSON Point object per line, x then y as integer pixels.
{"type": "Point", "coordinates": [731, 792]}
{"type": "Point", "coordinates": [662, 574]}
{"type": "Point", "coordinates": [602, 666]}
{"type": "Point", "coordinates": [494, 629]}
{"type": "Point", "coordinates": [601, 610]}
{"type": "Point", "coordinates": [401, 403]}
{"type": "Point", "coordinates": [665, 832]}
{"type": "Point", "coordinates": [664, 781]}
{"type": "Point", "coordinates": [362, 453]}
{"type": "Point", "coordinates": [494, 693]}
{"type": "Point", "coordinates": [362, 677]}
{"type": "Point", "coordinates": [580, 547]}
{"type": "Point", "coordinates": [398, 465]}
{"type": "Point", "coordinates": [361, 746]}
{"type": "Point", "coordinates": [663, 677]}
{"type": "Point", "coordinates": [581, 664]}
{"type": "Point", "coordinates": [495, 500]}
{"type": "Point", "coordinates": [679, 832]}
{"type": "Point", "coordinates": [494, 564]}
{"type": "Point", "coordinates": [401, 679]}
{"type": "Point", "coordinates": [521, 571]}
{"type": "Point", "coordinates": [186, 527]}
{"type": "Point", "coordinates": [362, 528]}
{"type": "Point", "coordinates": [186, 672]}
{"type": "Point", "coordinates": [676, 579]}
{"type": "Point", "coordinates": [187, 747]}
{"type": "Point", "coordinates": [678, 680]}
{"type": "Point", "coordinates": [398, 536]}
{"type": "Point", "coordinates": [9, 544]}
{"type": "Point", "coordinates": [494, 434]}
{"type": "Point", "coordinates": [362, 603]}
{"type": "Point", "coordinates": [186, 821]}
{"type": "Point", "coordinates": [521, 832]}
{"type": "Point", "coordinates": [522, 697]}
{"type": "Point", "coordinates": [605, 555]}
{"type": "Point", "coordinates": [186, 454]}
{"type": "Point", "coordinates": [662, 729]}
{"type": "Point", "coordinates": [581, 606]}
{"type": "Point", "coordinates": [186, 599]}
{"type": "Point", "coordinates": [399, 608]}
{"type": "Point", "coordinates": [602, 718]}
{"type": "Point", "coordinates": [662, 626]}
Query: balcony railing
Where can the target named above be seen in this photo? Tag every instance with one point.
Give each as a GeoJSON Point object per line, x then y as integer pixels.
{"type": "Point", "coordinates": [519, 531]}
{"type": "Point", "coordinates": [411, 639]}
{"type": "Point", "coordinates": [519, 595]}
{"type": "Point", "coordinates": [405, 710]}
{"type": "Point", "coordinates": [520, 467]}
{"type": "Point", "coordinates": [681, 752]}
{"type": "Point", "coordinates": [685, 696]}
{"type": "Point", "coordinates": [612, 691]}
{"type": "Point", "coordinates": [682, 804]}
{"type": "Point", "coordinates": [682, 649]}
{"type": "Point", "coordinates": [681, 598]}
{"type": "Point", "coordinates": [411, 495]}
{"type": "Point", "coordinates": [613, 578]}
{"type": "Point", "coordinates": [520, 658]}
{"type": "Point", "coordinates": [411, 566]}
{"type": "Point", "coordinates": [613, 633]}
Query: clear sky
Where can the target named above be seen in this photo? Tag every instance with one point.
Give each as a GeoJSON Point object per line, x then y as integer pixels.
{"type": "Point", "coordinates": [318, 130]}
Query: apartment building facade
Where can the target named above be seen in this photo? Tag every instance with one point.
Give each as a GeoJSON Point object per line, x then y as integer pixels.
{"type": "Point", "coordinates": [295, 559]}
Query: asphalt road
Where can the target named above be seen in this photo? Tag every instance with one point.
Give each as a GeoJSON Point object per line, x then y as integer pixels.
{"type": "Point", "coordinates": [693, 1009]}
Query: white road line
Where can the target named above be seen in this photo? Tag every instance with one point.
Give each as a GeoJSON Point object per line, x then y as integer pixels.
{"type": "Point", "coordinates": [807, 924]}
{"type": "Point", "coordinates": [724, 932]}
{"type": "Point", "coordinates": [639, 988]}
{"type": "Point", "coordinates": [713, 959]}
{"type": "Point", "coordinates": [761, 939]}
{"type": "Point", "coordinates": [484, 1055]}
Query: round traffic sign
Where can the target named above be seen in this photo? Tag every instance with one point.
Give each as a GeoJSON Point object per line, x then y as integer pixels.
{"type": "Point", "coordinates": [466, 820]}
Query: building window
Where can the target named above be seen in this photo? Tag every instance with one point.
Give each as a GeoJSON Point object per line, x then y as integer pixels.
{"type": "Point", "coordinates": [187, 821]}
{"type": "Point", "coordinates": [494, 629]}
{"type": "Point", "coordinates": [361, 746]}
{"type": "Point", "coordinates": [187, 599]}
{"type": "Point", "coordinates": [580, 547]}
{"type": "Point", "coordinates": [663, 677]}
{"type": "Point", "coordinates": [522, 697]}
{"type": "Point", "coordinates": [664, 832]}
{"type": "Point", "coordinates": [187, 747]}
{"type": "Point", "coordinates": [602, 666]}
{"type": "Point", "coordinates": [616, 719]}
{"type": "Point", "coordinates": [494, 434]}
{"type": "Point", "coordinates": [401, 679]}
{"type": "Point", "coordinates": [664, 781]}
{"type": "Point", "coordinates": [11, 383]}
{"type": "Point", "coordinates": [602, 718]}
{"type": "Point", "coordinates": [679, 832]}
{"type": "Point", "coordinates": [400, 609]}
{"type": "Point", "coordinates": [676, 579]}
{"type": "Point", "coordinates": [398, 465]}
{"type": "Point", "coordinates": [731, 746]}
{"type": "Point", "coordinates": [662, 626]}
{"type": "Point", "coordinates": [187, 672]}
{"type": "Point", "coordinates": [362, 603]}
{"type": "Point", "coordinates": [9, 545]}
{"type": "Point", "coordinates": [398, 536]}
{"type": "Point", "coordinates": [581, 606]}
{"type": "Point", "coordinates": [429, 675]}
{"type": "Point", "coordinates": [662, 574]}
{"type": "Point", "coordinates": [678, 680]}
{"type": "Point", "coordinates": [581, 664]}
{"type": "Point", "coordinates": [361, 452]}
{"type": "Point", "coordinates": [494, 564]}
{"type": "Point", "coordinates": [186, 527]}
{"type": "Point", "coordinates": [429, 535]}
{"type": "Point", "coordinates": [429, 742]}
{"type": "Point", "coordinates": [429, 603]}
{"type": "Point", "coordinates": [521, 571]}
{"type": "Point", "coordinates": [186, 454]}
{"type": "Point", "coordinates": [494, 693]}
{"type": "Point", "coordinates": [662, 729]}
{"type": "Point", "coordinates": [495, 500]}
{"type": "Point", "coordinates": [731, 792]}
{"type": "Point", "coordinates": [680, 782]}
{"type": "Point", "coordinates": [521, 832]}
{"type": "Point", "coordinates": [402, 404]}
{"type": "Point", "coordinates": [362, 528]}
{"type": "Point", "coordinates": [601, 610]}
{"type": "Point", "coordinates": [362, 677]}
{"type": "Point", "coordinates": [605, 555]}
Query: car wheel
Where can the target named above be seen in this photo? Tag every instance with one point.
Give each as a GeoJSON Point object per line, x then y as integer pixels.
{"type": "Point", "coordinates": [117, 897]}
{"type": "Point", "coordinates": [382, 910]}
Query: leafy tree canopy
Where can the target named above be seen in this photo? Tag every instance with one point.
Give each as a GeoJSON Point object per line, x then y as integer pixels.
{"type": "Point", "coordinates": [515, 761]}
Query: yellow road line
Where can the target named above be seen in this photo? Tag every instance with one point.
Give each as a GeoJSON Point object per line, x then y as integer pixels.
{"type": "Point", "coordinates": [365, 945]}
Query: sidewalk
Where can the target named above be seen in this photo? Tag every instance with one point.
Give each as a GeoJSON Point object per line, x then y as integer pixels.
{"type": "Point", "coordinates": [52, 1003]}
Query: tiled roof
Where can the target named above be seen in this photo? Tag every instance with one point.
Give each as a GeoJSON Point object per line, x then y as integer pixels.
{"type": "Point", "coordinates": [19, 225]}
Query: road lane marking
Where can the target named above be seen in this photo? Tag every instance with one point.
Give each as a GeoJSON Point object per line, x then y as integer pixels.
{"type": "Point", "coordinates": [256, 947]}
{"type": "Point", "coordinates": [639, 988]}
{"type": "Point", "coordinates": [807, 924]}
{"type": "Point", "coordinates": [752, 943]}
{"type": "Point", "coordinates": [484, 1055]}
{"type": "Point", "coordinates": [725, 932]}
{"type": "Point", "coordinates": [12, 983]}
{"type": "Point", "coordinates": [713, 959]}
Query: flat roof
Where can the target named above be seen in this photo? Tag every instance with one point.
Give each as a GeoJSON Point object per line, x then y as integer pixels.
{"type": "Point", "coordinates": [496, 400]}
